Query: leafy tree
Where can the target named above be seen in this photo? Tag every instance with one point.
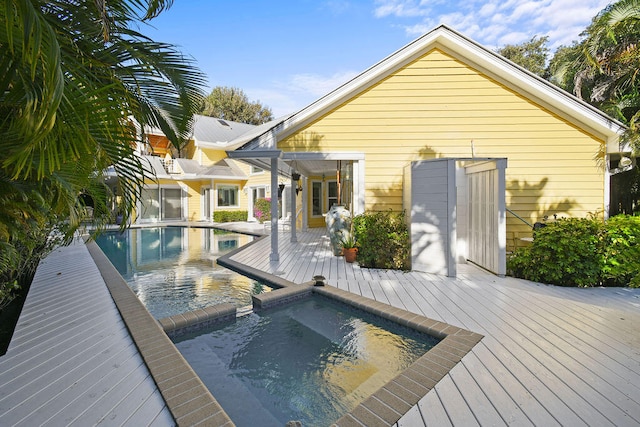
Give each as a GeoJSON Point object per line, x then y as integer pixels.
{"type": "Point", "coordinates": [531, 55]}
{"type": "Point", "coordinates": [232, 104]}
{"type": "Point", "coordinates": [602, 68]}
{"type": "Point", "coordinates": [75, 76]}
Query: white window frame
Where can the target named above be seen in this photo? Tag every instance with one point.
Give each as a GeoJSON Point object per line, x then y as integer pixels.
{"type": "Point", "coordinates": [204, 202]}
{"type": "Point", "coordinates": [311, 184]}
{"type": "Point", "coordinates": [252, 200]}
{"type": "Point", "coordinates": [255, 170]}
{"type": "Point", "coordinates": [159, 190]}
{"type": "Point", "coordinates": [183, 207]}
{"type": "Point", "coordinates": [226, 186]}
{"type": "Point", "coordinates": [327, 204]}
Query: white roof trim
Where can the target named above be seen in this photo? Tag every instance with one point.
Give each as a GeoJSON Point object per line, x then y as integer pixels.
{"type": "Point", "coordinates": [536, 88]}
{"type": "Point", "coordinates": [314, 155]}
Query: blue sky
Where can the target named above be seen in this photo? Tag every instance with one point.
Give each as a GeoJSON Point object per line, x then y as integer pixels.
{"type": "Point", "coordinates": [286, 54]}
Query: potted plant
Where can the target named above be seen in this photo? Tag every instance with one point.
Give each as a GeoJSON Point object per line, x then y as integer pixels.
{"type": "Point", "coordinates": [349, 248]}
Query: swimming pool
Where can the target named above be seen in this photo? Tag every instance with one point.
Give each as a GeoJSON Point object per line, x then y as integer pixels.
{"type": "Point", "coordinates": [173, 270]}
{"type": "Point", "coordinates": [312, 361]}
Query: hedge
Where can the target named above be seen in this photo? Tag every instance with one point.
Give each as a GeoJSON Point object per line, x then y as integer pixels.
{"type": "Point", "coordinates": [582, 252]}
{"type": "Point", "coordinates": [230, 216]}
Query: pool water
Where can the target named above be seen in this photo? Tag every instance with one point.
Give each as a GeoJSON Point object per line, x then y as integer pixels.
{"type": "Point", "coordinates": [311, 361]}
{"type": "Point", "coordinates": [173, 270]}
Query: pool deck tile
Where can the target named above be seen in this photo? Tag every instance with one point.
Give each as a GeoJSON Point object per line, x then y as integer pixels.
{"type": "Point", "coordinates": [366, 417]}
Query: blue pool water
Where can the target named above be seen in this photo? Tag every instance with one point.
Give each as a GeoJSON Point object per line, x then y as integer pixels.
{"type": "Point", "coordinates": [173, 269]}
{"type": "Point", "coordinates": [312, 361]}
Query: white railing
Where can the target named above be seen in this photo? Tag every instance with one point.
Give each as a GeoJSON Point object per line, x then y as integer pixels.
{"type": "Point", "coordinates": [170, 166]}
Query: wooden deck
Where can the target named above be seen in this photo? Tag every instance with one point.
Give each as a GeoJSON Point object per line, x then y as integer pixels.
{"type": "Point", "coordinates": [550, 356]}
{"type": "Point", "coordinates": [72, 360]}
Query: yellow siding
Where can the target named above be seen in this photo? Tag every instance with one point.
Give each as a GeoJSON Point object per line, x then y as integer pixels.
{"type": "Point", "coordinates": [210, 155]}
{"type": "Point", "coordinates": [434, 107]}
{"type": "Point", "coordinates": [189, 150]}
{"type": "Point", "coordinates": [194, 204]}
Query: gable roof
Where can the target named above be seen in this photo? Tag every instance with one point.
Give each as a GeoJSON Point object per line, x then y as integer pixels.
{"type": "Point", "coordinates": [208, 130]}
{"type": "Point", "coordinates": [467, 51]}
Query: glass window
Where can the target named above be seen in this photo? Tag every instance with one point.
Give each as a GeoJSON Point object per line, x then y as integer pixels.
{"type": "Point", "coordinates": [256, 170]}
{"type": "Point", "coordinates": [149, 204]}
{"type": "Point", "coordinates": [171, 203]}
{"type": "Point", "coordinates": [228, 195]}
{"type": "Point", "coordinates": [332, 194]}
{"type": "Point", "coordinates": [316, 198]}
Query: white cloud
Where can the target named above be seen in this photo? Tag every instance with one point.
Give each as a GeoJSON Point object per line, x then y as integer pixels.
{"type": "Point", "coordinates": [495, 23]}
{"type": "Point", "coordinates": [318, 85]}
{"type": "Point", "coordinates": [400, 8]}
{"type": "Point", "coordinates": [337, 7]}
{"type": "Point", "coordinates": [298, 91]}
{"type": "Point", "coordinates": [487, 9]}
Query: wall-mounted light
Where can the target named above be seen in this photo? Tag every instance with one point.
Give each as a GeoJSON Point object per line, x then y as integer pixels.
{"type": "Point", "coordinates": [280, 190]}
{"type": "Point", "coordinates": [624, 162]}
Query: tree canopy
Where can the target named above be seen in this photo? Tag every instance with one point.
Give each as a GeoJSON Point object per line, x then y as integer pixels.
{"type": "Point", "coordinates": [232, 104]}
{"type": "Point", "coordinates": [531, 54]}
{"type": "Point", "coordinates": [603, 67]}
{"type": "Point", "coordinates": [78, 82]}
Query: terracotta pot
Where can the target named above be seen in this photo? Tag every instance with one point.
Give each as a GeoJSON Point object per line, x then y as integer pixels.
{"type": "Point", "coordinates": [350, 254]}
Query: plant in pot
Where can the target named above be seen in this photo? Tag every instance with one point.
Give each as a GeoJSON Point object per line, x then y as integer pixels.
{"type": "Point", "coordinates": [349, 248]}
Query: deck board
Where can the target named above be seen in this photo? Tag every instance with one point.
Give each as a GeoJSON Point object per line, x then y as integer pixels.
{"type": "Point", "coordinates": [71, 360]}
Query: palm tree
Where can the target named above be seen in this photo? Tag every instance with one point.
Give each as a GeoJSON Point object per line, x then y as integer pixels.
{"type": "Point", "coordinates": [603, 68]}
{"type": "Point", "coordinates": [75, 75]}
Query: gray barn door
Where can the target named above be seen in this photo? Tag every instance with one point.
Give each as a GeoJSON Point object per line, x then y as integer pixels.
{"type": "Point", "coordinates": [430, 198]}
{"type": "Point", "coordinates": [487, 211]}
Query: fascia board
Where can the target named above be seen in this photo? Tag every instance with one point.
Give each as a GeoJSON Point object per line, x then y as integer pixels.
{"type": "Point", "coordinates": [254, 154]}
{"type": "Point", "coordinates": [336, 155]}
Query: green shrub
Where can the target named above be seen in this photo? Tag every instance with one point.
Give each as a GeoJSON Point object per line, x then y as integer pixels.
{"type": "Point", "coordinates": [621, 251]}
{"type": "Point", "coordinates": [582, 252]}
{"type": "Point", "coordinates": [262, 209]}
{"type": "Point", "coordinates": [383, 240]}
{"type": "Point", "coordinates": [230, 216]}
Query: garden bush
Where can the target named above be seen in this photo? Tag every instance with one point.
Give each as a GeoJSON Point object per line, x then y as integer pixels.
{"type": "Point", "coordinates": [621, 239]}
{"type": "Point", "coordinates": [262, 210]}
{"type": "Point", "coordinates": [382, 240]}
{"type": "Point", "coordinates": [230, 216]}
{"type": "Point", "coordinates": [582, 252]}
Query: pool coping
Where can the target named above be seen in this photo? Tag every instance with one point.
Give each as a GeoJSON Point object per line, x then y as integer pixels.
{"type": "Point", "coordinates": [189, 400]}
{"type": "Point", "coordinates": [387, 405]}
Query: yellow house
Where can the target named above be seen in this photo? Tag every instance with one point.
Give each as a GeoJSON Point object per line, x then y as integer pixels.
{"type": "Point", "coordinates": [201, 180]}
{"type": "Point", "coordinates": [445, 97]}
